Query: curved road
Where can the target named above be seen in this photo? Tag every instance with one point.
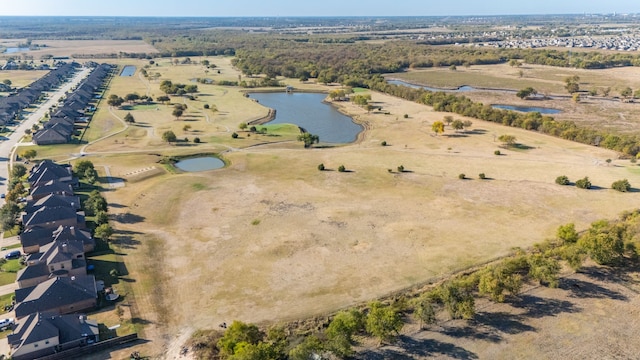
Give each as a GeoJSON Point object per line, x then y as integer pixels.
{"type": "Point", "coordinates": [7, 144]}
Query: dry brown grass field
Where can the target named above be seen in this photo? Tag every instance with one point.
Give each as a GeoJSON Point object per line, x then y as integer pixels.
{"type": "Point", "coordinates": [21, 78]}
{"type": "Point", "coordinates": [80, 47]}
{"type": "Point", "coordinates": [595, 111]}
{"type": "Point", "coordinates": [270, 238]}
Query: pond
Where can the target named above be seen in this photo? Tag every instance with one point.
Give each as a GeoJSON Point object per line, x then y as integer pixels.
{"type": "Point", "coordinates": [128, 70]}
{"type": "Point", "coordinates": [200, 164]}
{"type": "Point", "coordinates": [12, 50]}
{"type": "Point", "coordinates": [541, 110]}
{"type": "Point", "coordinates": [463, 88]}
{"type": "Point", "coordinates": [307, 111]}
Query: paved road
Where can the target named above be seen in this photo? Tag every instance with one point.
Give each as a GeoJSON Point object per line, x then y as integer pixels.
{"type": "Point", "coordinates": [7, 145]}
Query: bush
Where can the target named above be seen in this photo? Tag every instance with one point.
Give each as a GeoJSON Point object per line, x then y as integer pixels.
{"type": "Point", "coordinates": [196, 140]}
{"type": "Point", "coordinates": [482, 176]}
{"type": "Point", "coordinates": [406, 116]}
{"type": "Point", "coordinates": [461, 176]}
{"type": "Point", "coordinates": [562, 180]}
{"type": "Point", "coordinates": [206, 106]}
{"type": "Point", "coordinates": [497, 152]}
{"type": "Point", "coordinates": [341, 168]}
{"type": "Point", "coordinates": [321, 167]}
{"type": "Point", "coordinates": [234, 135]}
{"type": "Point", "coordinates": [384, 143]}
{"type": "Point", "coordinates": [401, 168]}
{"type": "Point", "coordinates": [583, 183]}
{"type": "Point", "coordinates": [621, 185]}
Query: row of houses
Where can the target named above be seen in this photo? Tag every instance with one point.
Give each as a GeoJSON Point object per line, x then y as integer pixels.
{"type": "Point", "coordinates": [54, 288]}
{"type": "Point", "coordinates": [74, 110]}
{"type": "Point", "coordinates": [12, 105]}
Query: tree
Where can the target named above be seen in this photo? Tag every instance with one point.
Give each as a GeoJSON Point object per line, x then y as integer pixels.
{"type": "Point", "coordinates": [101, 218]}
{"type": "Point", "coordinates": [115, 100]}
{"type": "Point", "coordinates": [177, 113]}
{"type": "Point", "coordinates": [321, 167]}
{"type": "Point", "coordinates": [626, 92]}
{"type": "Point", "coordinates": [309, 348]}
{"type": "Point", "coordinates": [129, 118]}
{"type": "Point", "coordinates": [238, 333]}
{"type": "Point", "coordinates": [132, 97]}
{"type": "Point", "coordinates": [383, 321]}
{"type": "Point", "coordinates": [242, 126]}
{"type": "Point", "coordinates": [18, 171]}
{"type": "Point", "coordinates": [341, 330]}
{"type": "Point", "coordinates": [576, 97]}
{"type": "Point", "coordinates": [341, 168]}
{"type": "Point", "coordinates": [508, 140]}
{"type": "Point", "coordinates": [495, 280]}
{"type": "Point", "coordinates": [8, 214]}
{"type": "Point", "coordinates": [567, 233]}
{"type": "Point", "coordinates": [448, 119]}
{"type": "Point", "coordinates": [234, 135]}
{"type": "Point", "coordinates": [583, 183]}
{"type": "Point", "coordinates": [467, 124]}
{"type": "Point", "coordinates": [526, 92]}
{"type": "Point", "coordinates": [308, 139]}
{"type": "Point", "coordinates": [621, 185]}
{"type": "Point", "coordinates": [572, 84]}
{"type": "Point", "coordinates": [95, 203]}
{"type": "Point", "coordinates": [205, 62]}
{"type": "Point", "coordinates": [29, 154]}
{"type": "Point", "coordinates": [169, 136]}
{"type": "Point", "coordinates": [424, 310]}
{"type": "Point", "coordinates": [82, 166]}
{"type": "Point", "coordinates": [103, 232]}
{"type": "Point", "coordinates": [457, 125]}
{"type": "Point", "coordinates": [457, 299]}
{"type": "Point", "coordinates": [562, 180]}
{"type": "Point", "coordinates": [544, 269]}
{"type": "Point", "coordinates": [437, 127]}
{"type": "Point", "coordinates": [163, 98]}
{"type": "Point", "coordinates": [7, 82]}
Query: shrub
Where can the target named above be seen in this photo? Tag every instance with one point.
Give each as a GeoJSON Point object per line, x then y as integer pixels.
{"type": "Point", "coordinates": [406, 116]}
{"type": "Point", "coordinates": [196, 140]}
{"type": "Point", "coordinates": [401, 168]}
{"type": "Point", "coordinates": [321, 167]}
{"type": "Point", "coordinates": [234, 135]}
{"type": "Point", "coordinates": [621, 185]}
{"type": "Point", "coordinates": [482, 176]}
{"type": "Point", "coordinates": [497, 152]}
{"type": "Point", "coordinates": [562, 180]}
{"type": "Point", "coordinates": [341, 168]}
{"type": "Point", "coordinates": [462, 176]}
{"type": "Point", "coordinates": [206, 106]}
{"type": "Point", "coordinates": [384, 143]}
{"type": "Point", "coordinates": [584, 183]}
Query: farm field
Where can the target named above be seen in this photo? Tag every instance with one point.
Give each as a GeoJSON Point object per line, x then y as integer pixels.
{"type": "Point", "coordinates": [61, 48]}
{"type": "Point", "coordinates": [270, 238]}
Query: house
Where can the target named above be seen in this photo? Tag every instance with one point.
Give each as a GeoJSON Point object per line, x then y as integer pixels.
{"type": "Point", "coordinates": [35, 238]}
{"type": "Point", "coordinates": [51, 187]}
{"type": "Point", "coordinates": [47, 170]}
{"type": "Point", "coordinates": [32, 239]}
{"type": "Point", "coordinates": [62, 295]}
{"type": "Point", "coordinates": [41, 334]}
{"type": "Point", "coordinates": [53, 217]}
{"type": "Point", "coordinates": [58, 258]}
{"type": "Point", "coordinates": [69, 233]}
{"type": "Point", "coordinates": [53, 200]}
{"type": "Point", "coordinates": [50, 137]}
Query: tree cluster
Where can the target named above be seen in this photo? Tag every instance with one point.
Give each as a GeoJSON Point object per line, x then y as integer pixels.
{"type": "Point", "coordinates": [85, 170]}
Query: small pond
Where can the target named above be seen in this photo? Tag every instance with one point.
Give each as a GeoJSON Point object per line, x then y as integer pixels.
{"type": "Point", "coordinates": [12, 50]}
{"type": "Point", "coordinates": [200, 164]}
{"type": "Point", "coordinates": [541, 110]}
{"type": "Point", "coordinates": [464, 88]}
{"type": "Point", "coordinates": [307, 111]}
{"type": "Point", "coordinates": [128, 70]}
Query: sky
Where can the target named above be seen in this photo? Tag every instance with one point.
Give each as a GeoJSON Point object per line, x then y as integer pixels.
{"type": "Point", "coordinates": [270, 8]}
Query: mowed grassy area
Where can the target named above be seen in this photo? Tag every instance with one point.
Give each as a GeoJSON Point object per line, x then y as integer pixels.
{"type": "Point", "coordinates": [21, 78]}
{"type": "Point", "coordinates": [270, 238]}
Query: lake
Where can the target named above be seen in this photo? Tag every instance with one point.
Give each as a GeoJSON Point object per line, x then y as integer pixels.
{"type": "Point", "coordinates": [200, 164]}
{"type": "Point", "coordinates": [12, 50]}
{"type": "Point", "coordinates": [128, 70]}
{"type": "Point", "coordinates": [541, 110]}
{"type": "Point", "coordinates": [307, 111]}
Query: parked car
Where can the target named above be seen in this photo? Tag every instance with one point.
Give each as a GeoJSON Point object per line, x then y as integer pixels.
{"type": "Point", "coordinates": [12, 254]}
{"type": "Point", "coordinates": [2, 196]}
{"type": "Point", "coordinates": [5, 323]}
